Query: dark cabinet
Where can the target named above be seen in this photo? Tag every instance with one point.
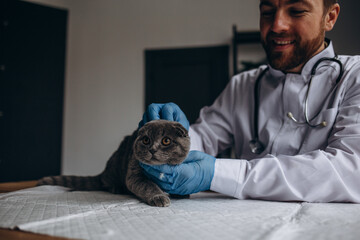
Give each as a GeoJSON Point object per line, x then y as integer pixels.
{"type": "Point", "coordinates": [189, 77]}
{"type": "Point", "coordinates": [32, 66]}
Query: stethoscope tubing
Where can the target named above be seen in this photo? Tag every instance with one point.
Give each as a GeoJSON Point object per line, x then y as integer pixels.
{"type": "Point", "coordinates": [256, 145]}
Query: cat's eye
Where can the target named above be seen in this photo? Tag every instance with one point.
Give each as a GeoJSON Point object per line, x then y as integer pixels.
{"type": "Point", "coordinates": [146, 141]}
{"type": "Point", "coordinates": [166, 141]}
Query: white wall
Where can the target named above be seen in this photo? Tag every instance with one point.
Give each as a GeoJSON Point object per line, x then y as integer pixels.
{"type": "Point", "coordinates": [104, 96]}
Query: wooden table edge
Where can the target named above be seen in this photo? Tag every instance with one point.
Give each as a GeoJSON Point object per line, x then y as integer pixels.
{"type": "Point", "coordinates": [14, 186]}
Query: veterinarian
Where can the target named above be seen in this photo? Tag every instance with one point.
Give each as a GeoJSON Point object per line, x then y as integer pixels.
{"type": "Point", "coordinates": [294, 125]}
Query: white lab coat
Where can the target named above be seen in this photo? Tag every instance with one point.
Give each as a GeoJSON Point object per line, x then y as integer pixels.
{"type": "Point", "coordinates": [299, 163]}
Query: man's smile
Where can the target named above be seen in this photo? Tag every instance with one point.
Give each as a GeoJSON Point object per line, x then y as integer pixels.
{"type": "Point", "coordinates": [281, 44]}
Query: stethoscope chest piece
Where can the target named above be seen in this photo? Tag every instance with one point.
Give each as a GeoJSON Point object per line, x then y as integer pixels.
{"type": "Point", "coordinates": [256, 146]}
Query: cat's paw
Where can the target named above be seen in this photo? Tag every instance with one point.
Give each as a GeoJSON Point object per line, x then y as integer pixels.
{"type": "Point", "coordinates": [159, 200]}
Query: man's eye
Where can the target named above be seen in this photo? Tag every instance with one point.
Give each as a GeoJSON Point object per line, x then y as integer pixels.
{"type": "Point", "coordinates": [297, 12]}
{"type": "Point", "coordinates": [266, 10]}
{"type": "Point", "coordinates": [267, 14]}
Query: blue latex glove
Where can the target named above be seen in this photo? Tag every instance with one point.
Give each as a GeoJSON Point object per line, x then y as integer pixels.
{"type": "Point", "coordinates": [167, 111]}
{"type": "Point", "coordinates": [193, 175]}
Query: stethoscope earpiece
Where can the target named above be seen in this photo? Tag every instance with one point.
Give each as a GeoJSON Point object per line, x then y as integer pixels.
{"type": "Point", "coordinates": [291, 116]}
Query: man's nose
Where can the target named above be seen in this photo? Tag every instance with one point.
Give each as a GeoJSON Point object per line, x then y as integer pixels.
{"type": "Point", "coordinates": [281, 22]}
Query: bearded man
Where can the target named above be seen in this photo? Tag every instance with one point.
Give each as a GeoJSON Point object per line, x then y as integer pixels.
{"type": "Point", "coordinates": [294, 124]}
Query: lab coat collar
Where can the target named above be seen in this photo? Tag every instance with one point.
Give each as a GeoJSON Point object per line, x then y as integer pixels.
{"type": "Point", "coordinates": [327, 52]}
{"type": "Point", "coordinates": [306, 70]}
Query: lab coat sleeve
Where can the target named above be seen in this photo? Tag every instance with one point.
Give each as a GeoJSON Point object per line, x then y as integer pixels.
{"type": "Point", "coordinates": [328, 175]}
{"type": "Point", "coordinates": [213, 131]}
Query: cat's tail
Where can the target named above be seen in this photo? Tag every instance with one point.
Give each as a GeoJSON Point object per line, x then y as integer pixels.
{"type": "Point", "coordinates": [88, 183]}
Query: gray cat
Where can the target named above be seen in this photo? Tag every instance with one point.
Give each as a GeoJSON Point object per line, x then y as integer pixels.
{"type": "Point", "coordinates": [157, 142]}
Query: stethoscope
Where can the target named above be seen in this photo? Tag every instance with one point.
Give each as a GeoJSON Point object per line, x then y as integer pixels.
{"type": "Point", "coordinates": [256, 145]}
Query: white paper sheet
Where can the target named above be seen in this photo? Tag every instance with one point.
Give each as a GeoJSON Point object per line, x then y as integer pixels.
{"type": "Point", "coordinates": [99, 215]}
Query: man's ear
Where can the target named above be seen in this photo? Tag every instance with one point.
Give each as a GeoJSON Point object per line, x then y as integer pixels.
{"type": "Point", "coordinates": [331, 16]}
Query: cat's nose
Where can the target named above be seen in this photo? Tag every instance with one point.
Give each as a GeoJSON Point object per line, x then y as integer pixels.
{"type": "Point", "coordinates": [152, 151]}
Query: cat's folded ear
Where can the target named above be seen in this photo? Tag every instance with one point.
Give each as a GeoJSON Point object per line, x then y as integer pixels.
{"type": "Point", "coordinates": [181, 131]}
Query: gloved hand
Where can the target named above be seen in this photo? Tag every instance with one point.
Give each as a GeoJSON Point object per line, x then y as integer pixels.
{"type": "Point", "coordinates": [193, 175]}
{"type": "Point", "coordinates": [167, 111]}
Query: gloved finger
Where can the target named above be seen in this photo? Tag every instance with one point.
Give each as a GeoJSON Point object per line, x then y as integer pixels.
{"type": "Point", "coordinates": [183, 120]}
{"type": "Point", "coordinates": [165, 168]}
{"type": "Point", "coordinates": [172, 112]}
{"type": "Point", "coordinates": [157, 175]}
{"type": "Point", "coordinates": [163, 185]}
{"type": "Point", "coordinates": [167, 187]}
{"type": "Point", "coordinates": [194, 156]}
{"type": "Point", "coordinates": [152, 112]}
{"type": "Point", "coordinates": [149, 168]}
{"type": "Point", "coordinates": [156, 179]}
{"type": "Point", "coordinates": [161, 172]}
{"type": "Point", "coordinates": [169, 112]}
{"type": "Point", "coordinates": [179, 188]}
{"type": "Point", "coordinates": [179, 116]}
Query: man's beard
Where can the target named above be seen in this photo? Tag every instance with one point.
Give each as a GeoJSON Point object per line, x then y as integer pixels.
{"type": "Point", "coordinates": [300, 54]}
